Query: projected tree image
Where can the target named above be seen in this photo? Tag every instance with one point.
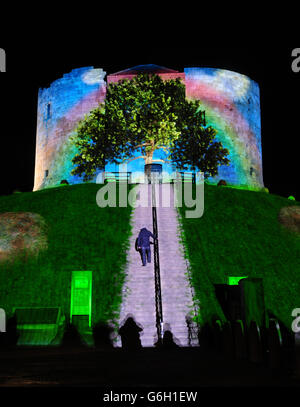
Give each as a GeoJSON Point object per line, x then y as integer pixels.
{"type": "Point", "coordinates": [196, 147]}
{"type": "Point", "coordinates": [142, 115]}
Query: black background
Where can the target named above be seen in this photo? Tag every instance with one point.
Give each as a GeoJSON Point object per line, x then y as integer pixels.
{"type": "Point", "coordinates": [31, 66]}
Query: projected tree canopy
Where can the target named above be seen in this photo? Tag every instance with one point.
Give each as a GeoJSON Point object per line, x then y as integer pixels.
{"type": "Point", "coordinates": [144, 114]}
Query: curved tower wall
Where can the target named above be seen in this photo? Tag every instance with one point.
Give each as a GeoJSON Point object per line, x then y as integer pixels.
{"type": "Point", "coordinates": [232, 105]}
{"type": "Point", "coordinates": [231, 102]}
{"type": "Point", "coordinates": [60, 108]}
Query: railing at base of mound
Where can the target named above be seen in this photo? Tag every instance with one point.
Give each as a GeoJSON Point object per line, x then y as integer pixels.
{"type": "Point", "coordinates": [188, 176]}
{"type": "Point", "coordinates": [117, 176]}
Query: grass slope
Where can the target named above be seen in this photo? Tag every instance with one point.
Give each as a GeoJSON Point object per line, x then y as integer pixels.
{"type": "Point", "coordinates": [82, 236]}
{"type": "Point", "coordinates": [239, 235]}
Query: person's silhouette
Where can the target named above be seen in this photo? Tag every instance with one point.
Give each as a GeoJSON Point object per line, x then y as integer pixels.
{"type": "Point", "coordinates": [168, 341]}
{"type": "Point", "coordinates": [130, 335]}
{"type": "Point", "coordinates": [71, 337]}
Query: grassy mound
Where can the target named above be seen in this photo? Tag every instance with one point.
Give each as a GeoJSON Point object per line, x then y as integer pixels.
{"type": "Point", "coordinates": [81, 236]}
{"type": "Point", "coordinates": [239, 235]}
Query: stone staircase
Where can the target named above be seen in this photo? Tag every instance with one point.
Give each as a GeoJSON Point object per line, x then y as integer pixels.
{"type": "Point", "coordinates": [177, 298]}
{"type": "Point", "coordinates": [139, 288]}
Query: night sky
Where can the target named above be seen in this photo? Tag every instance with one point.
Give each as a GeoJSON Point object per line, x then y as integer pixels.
{"type": "Point", "coordinates": [29, 68]}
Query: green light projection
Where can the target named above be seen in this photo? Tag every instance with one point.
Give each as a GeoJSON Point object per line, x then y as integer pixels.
{"type": "Point", "coordinates": [235, 280]}
{"type": "Point", "coordinates": [81, 294]}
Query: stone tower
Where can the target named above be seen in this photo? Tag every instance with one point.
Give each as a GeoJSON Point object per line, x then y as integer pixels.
{"type": "Point", "coordinates": [231, 102]}
{"type": "Point", "coordinates": [60, 108]}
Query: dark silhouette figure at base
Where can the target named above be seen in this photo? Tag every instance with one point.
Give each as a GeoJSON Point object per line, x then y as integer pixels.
{"type": "Point", "coordinates": [168, 341]}
{"type": "Point", "coordinates": [210, 335]}
{"type": "Point", "coordinates": [130, 335]}
{"type": "Point", "coordinates": [102, 335]}
{"type": "Point", "coordinates": [71, 337]}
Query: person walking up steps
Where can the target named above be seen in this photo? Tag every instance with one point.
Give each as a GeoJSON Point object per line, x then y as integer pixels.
{"type": "Point", "coordinates": [143, 244]}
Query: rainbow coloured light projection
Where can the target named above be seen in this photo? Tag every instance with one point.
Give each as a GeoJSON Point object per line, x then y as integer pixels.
{"type": "Point", "coordinates": [231, 102]}
{"type": "Point", "coordinates": [60, 107]}
{"type": "Point", "coordinates": [232, 105]}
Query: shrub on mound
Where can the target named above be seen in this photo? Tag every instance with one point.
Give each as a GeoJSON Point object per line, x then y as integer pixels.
{"type": "Point", "coordinates": [21, 231]}
{"type": "Point", "coordinates": [289, 217]}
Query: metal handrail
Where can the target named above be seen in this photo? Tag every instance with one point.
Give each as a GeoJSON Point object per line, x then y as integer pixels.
{"type": "Point", "coordinates": [158, 299]}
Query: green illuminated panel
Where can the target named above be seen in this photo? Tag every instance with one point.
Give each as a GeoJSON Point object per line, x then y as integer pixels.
{"type": "Point", "coordinates": [81, 283]}
{"type": "Point", "coordinates": [81, 294]}
{"type": "Point", "coordinates": [234, 280]}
